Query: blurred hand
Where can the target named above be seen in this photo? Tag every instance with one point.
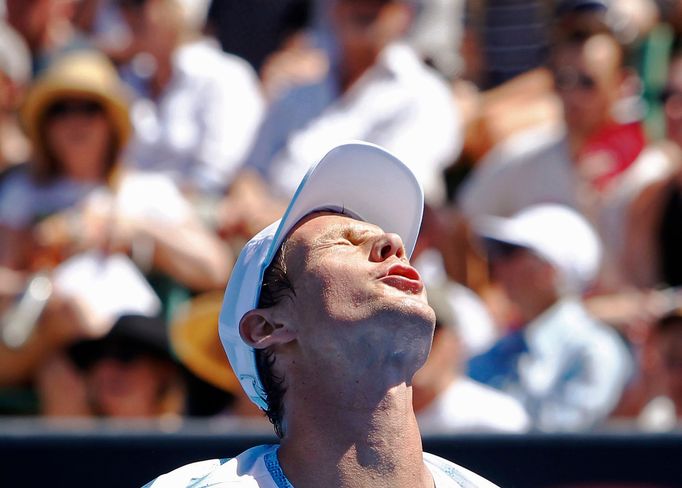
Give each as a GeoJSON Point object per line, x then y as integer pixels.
{"type": "Point", "coordinates": [297, 63]}
{"type": "Point", "coordinates": [94, 225]}
{"type": "Point", "coordinates": [248, 208]}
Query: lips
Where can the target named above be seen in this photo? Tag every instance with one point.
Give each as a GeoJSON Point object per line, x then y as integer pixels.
{"type": "Point", "coordinates": [404, 278]}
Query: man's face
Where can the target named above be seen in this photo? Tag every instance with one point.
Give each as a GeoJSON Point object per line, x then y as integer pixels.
{"type": "Point", "coordinates": [525, 277]}
{"type": "Point", "coordinates": [357, 300]}
{"type": "Point", "coordinates": [588, 80]}
{"type": "Point", "coordinates": [363, 28]}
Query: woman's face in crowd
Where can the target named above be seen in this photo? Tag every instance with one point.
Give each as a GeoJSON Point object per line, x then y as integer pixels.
{"type": "Point", "coordinates": [78, 136]}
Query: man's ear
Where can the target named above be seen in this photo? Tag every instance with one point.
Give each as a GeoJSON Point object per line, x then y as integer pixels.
{"type": "Point", "coordinates": [259, 329]}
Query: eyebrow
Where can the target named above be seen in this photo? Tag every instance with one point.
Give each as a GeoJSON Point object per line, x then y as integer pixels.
{"type": "Point", "coordinates": [343, 229]}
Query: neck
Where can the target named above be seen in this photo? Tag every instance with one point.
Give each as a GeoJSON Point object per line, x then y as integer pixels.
{"type": "Point", "coordinates": [354, 445]}
{"type": "Point", "coordinates": [532, 310]}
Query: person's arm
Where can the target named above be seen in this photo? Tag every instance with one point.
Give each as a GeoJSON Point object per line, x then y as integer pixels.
{"type": "Point", "coordinates": [58, 326]}
{"type": "Point", "coordinates": [190, 253]}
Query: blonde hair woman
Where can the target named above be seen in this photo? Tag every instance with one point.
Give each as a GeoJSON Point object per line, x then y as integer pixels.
{"type": "Point", "coordinates": [75, 197]}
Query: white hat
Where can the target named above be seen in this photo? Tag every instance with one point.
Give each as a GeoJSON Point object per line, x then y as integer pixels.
{"type": "Point", "coordinates": [557, 234]}
{"type": "Point", "coordinates": [359, 178]}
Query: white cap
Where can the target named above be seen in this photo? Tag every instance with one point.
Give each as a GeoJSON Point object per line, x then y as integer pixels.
{"type": "Point", "coordinates": [359, 178]}
{"type": "Point", "coordinates": [557, 234]}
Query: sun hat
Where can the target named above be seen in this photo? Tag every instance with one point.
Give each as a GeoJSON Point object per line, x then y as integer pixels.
{"type": "Point", "coordinates": [77, 74]}
{"type": "Point", "coordinates": [194, 340]}
{"type": "Point", "coordinates": [359, 178]}
{"type": "Point", "coordinates": [555, 233]}
{"type": "Point", "coordinates": [130, 337]}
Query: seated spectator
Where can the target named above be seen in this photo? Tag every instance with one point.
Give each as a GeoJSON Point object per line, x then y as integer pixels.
{"type": "Point", "coordinates": [654, 207]}
{"type": "Point", "coordinates": [73, 213]}
{"type": "Point", "coordinates": [378, 90]}
{"type": "Point", "coordinates": [199, 107]}
{"type": "Point", "coordinates": [128, 373]}
{"type": "Point", "coordinates": [445, 400]}
{"type": "Point", "coordinates": [571, 165]}
{"type": "Point", "coordinates": [567, 368]}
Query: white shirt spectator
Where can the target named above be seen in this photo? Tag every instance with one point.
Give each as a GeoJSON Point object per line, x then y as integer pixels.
{"type": "Point", "coordinates": [399, 104]}
{"type": "Point", "coordinates": [569, 374]}
{"type": "Point", "coordinates": [469, 406]}
{"type": "Point", "coordinates": [203, 125]}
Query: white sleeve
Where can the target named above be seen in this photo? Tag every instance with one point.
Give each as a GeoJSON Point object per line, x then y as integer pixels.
{"type": "Point", "coordinates": [422, 130]}
{"type": "Point", "coordinates": [185, 476]}
{"type": "Point", "coordinates": [231, 114]}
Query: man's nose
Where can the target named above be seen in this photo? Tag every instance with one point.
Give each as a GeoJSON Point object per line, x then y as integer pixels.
{"type": "Point", "coordinates": [387, 245]}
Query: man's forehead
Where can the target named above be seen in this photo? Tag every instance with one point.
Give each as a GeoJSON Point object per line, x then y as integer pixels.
{"type": "Point", "coordinates": [325, 224]}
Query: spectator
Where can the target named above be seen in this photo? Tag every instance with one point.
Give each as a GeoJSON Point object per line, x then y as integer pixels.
{"type": "Point", "coordinates": [567, 368]}
{"type": "Point", "coordinates": [379, 91]}
{"type": "Point", "coordinates": [572, 166]}
{"type": "Point", "coordinates": [653, 202]}
{"type": "Point", "coordinates": [200, 107]}
{"type": "Point", "coordinates": [46, 27]}
{"type": "Point", "coordinates": [128, 373]}
{"type": "Point", "coordinates": [73, 202]}
{"type": "Point", "coordinates": [445, 400]}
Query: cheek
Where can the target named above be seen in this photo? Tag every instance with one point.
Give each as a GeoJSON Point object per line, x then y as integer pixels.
{"type": "Point", "coordinates": [334, 290]}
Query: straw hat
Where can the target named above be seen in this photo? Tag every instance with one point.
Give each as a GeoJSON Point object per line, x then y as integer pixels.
{"type": "Point", "coordinates": [194, 339]}
{"type": "Point", "coordinates": [78, 74]}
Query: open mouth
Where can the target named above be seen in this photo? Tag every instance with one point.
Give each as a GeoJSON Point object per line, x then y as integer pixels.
{"type": "Point", "coordinates": [404, 278]}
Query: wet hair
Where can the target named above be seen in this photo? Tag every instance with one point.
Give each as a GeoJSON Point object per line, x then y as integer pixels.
{"type": "Point", "coordinates": [276, 287]}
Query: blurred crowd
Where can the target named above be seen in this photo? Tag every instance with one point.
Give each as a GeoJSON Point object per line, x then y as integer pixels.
{"type": "Point", "coordinates": [142, 142]}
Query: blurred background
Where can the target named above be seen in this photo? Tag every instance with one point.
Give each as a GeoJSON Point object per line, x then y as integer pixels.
{"type": "Point", "coordinates": [143, 142]}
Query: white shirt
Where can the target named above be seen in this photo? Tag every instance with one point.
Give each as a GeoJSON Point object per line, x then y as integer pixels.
{"type": "Point", "coordinates": [528, 168]}
{"type": "Point", "coordinates": [399, 104]}
{"type": "Point", "coordinates": [571, 374]}
{"type": "Point", "coordinates": [258, 467]}
{"type": "Point", "coordinates": [469, 406]}
{"type": "Point", "coordinates": [203, 125]}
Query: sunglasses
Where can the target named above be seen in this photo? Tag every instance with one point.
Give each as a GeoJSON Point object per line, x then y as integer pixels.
{"type": "Point", "coordinates": [65, 108]}
{"type": "Point", "coordinates": [86, 354]}
{"type": "Point", "coordinates": [569, 79]}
